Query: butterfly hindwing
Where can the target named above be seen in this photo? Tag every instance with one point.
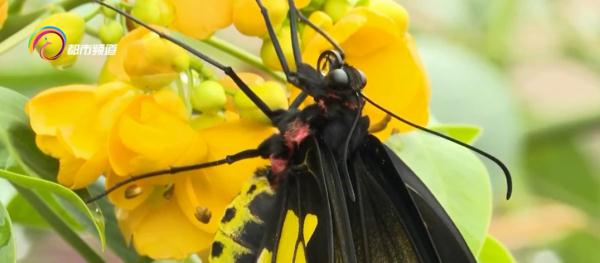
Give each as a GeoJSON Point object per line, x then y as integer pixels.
{"type": "Point", "coordinates": [245, 220]}
{"type": "Point", "coordinates": [446, 239]}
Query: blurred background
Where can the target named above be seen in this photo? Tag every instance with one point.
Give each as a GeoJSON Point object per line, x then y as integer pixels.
{"type": "Point", "coordinates": [527, 71]}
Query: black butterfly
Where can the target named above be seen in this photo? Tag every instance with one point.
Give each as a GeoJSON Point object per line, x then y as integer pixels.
{"type": "Point", "coordinates": [333, 193]}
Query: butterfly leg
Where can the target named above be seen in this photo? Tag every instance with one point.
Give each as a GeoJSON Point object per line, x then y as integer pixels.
{"type": "Point", "coordinates": [276, 45]}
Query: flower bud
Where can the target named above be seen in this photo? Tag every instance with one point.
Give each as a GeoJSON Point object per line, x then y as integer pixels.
{"type": "Point", "coordinates": [337, 8]}
{"type": "Point", "coordinates": [152, 62]}
{"type": "Point", "coordinates": [271, 92]}
{"type": "Point", "coordinates": [157, 12]}
{"type": "Point", "coordinates": [50, 44]}
{"type": "Point", "coordinates": [248, 20]}
{"type": "Point", "coordinates": [208, 97]}
{"type": "Point", "coordinates": [107, 12]}
{"type": "Point", "coordinates": [250, 79]}
{"type": "Point", "coordinates": [110, 32]}
{"type": "Point", "coordinates": [268, 54]}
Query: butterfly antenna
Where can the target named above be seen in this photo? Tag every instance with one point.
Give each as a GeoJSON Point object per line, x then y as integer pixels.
{"type": "Point", "coordinates": [226, 69]}
{"type": "Point", "coordinates": [472, 148]}
{"type": "Point", "coordinates": [247, 154]}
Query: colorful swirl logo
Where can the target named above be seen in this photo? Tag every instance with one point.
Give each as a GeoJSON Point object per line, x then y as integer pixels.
{"type": "Point", "coordinates": [42, 35]}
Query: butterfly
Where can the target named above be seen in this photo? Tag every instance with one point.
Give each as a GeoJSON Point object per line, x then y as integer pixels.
{"type": "Point", "coordinates": [333, 191]}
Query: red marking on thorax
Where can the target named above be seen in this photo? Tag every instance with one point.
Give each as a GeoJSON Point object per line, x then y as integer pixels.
{"type": "Point", "coordinates": [296, 133]}
{"type": "Point", "coordinates": [278, 165]}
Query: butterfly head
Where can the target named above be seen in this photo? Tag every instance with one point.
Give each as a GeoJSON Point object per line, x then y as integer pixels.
{"type": "Point", "coordinates": [339, 77]}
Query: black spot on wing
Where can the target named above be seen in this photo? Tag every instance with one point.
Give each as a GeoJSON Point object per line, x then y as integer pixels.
{"type": "Point", "coordinates": [245, 258]}
{"type": "Point", "coordinates": [251, 190]}
{"type": "Point", "coordinates": [251, 235]}
{"type": "Point", "coordinates": [229, 214]}
{"type": "Point", "coordinates": [261, 206]}
{"type": "Point", "coordinates": [217, 249]}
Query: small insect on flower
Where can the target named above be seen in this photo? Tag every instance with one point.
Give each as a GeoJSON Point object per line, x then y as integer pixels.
{"type": "Point", "coordinates": [333, 192]}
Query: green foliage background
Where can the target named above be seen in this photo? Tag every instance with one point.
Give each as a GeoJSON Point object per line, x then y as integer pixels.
{"type": "Point", "coordinates": [527, 72]}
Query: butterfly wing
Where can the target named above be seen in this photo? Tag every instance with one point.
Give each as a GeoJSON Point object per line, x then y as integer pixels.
{"type": "Point", "coordinates": [303, 229]}
{"type": "Point", "coordinates": [388, 225]}
{"type": "Point", "coordinates": [449, 244]}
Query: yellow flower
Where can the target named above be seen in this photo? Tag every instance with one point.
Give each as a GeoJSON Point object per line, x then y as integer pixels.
{"type": "Point", "coordinates": [249, 21]}
{"type": "Point", "coordinates": [200, 19]}
{"type": "Point", "coordinates": [145, 60]}
{"type": "Point", "coordinates": [395, 76]}
{"type": "Point", "coordinates": [3, 11]}
{"type": "Point", "coordinates": [153, 133]}
{"type": "Point", "coordinates": [72, 124]}
{"type": "Point", "coordinates": [156, 12]}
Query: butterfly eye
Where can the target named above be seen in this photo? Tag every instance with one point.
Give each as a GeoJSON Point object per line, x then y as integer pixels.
{"type": "Point", "coordinates": [362, 79]}
{"type": "Point", "coordinates": [337, 79]}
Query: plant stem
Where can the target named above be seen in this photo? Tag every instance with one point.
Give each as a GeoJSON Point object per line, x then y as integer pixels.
{"type": "Point", "coordinates": [59, 225]}
{"type": "Point", "coordinates": [70, 4]}
{"type": "Point", "coordinates": [90, 15]}
{"type": "Point", "coordinates": [243, 56]}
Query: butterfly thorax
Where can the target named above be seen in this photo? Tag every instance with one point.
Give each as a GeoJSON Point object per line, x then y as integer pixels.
{"type": "Point", "coordinates": [329, 119]}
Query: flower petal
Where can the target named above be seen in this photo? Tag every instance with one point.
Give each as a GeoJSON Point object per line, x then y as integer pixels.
{"type": "Point", "coordinates": [230, 138]}
{"type": "Point", "coordinates": [77, 173]}
{"type": "Point", "coordinates": [160, 230]}
{"type": "Point", "coordinates": [152, 134]}
{"type": "Point", "coordinates": [199, 19]}
{"type": "Point", "coordinates": [195, 191]}
{"type": "Point", "coordinates": [118, 197]}
{"type": "Point", "coordinates": [60, 107]}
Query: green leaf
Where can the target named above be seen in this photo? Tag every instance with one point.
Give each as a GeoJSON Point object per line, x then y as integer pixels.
{"type": "Point", "coordinates": [14, 23]}
{"type": "Point", "coordinates": [468, 89]}
{"type": "Point", "coordinates": [43, 187]}
{"type": "Point", "coordinates": [114, 237]}
{"type": "Point", "coordinates": [456, 177]}
{"type": "Point", "coordinates": [494, 252]}
{"type": "Point", "coordinates": [22, 213]}
{"type": "Point", "coordinates": [552, 164]}
{"type": "Point", "coordinates": [16, 38]}
{"type": "Point", "coordinates": [71, 237]}
{"type": "Point", "coordinates": [579, 246]}
{"type": "Point", "coordinates": [462, 132]}
{"type": "Point", "coordinates": [31, 78]}
{"type": "Point", "coordinates": [7, 246]}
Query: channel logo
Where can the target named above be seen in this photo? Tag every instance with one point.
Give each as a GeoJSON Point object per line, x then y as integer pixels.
{"type": "Point", "coordinates": [43, 36]}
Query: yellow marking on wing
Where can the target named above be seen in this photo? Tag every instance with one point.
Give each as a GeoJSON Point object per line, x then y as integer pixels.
{"type": "Point", "coordinates": [289, 237]}
{"type": "Point", "coordinates": [300, 255]}
{"type": "Point", "coordinates": [265, 256]}
{"type": "Point", "coordinates": [289, 242]}
{"type": "Point", "coordinates": [231, 249]}
{"type": "Point", "coordinates": [241, 202]}
{"type": "Point", "coordinates": [310, 224]}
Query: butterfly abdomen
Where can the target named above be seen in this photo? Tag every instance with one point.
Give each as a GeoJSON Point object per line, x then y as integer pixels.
{"type": "Point", "coordinates": [241, 230]}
